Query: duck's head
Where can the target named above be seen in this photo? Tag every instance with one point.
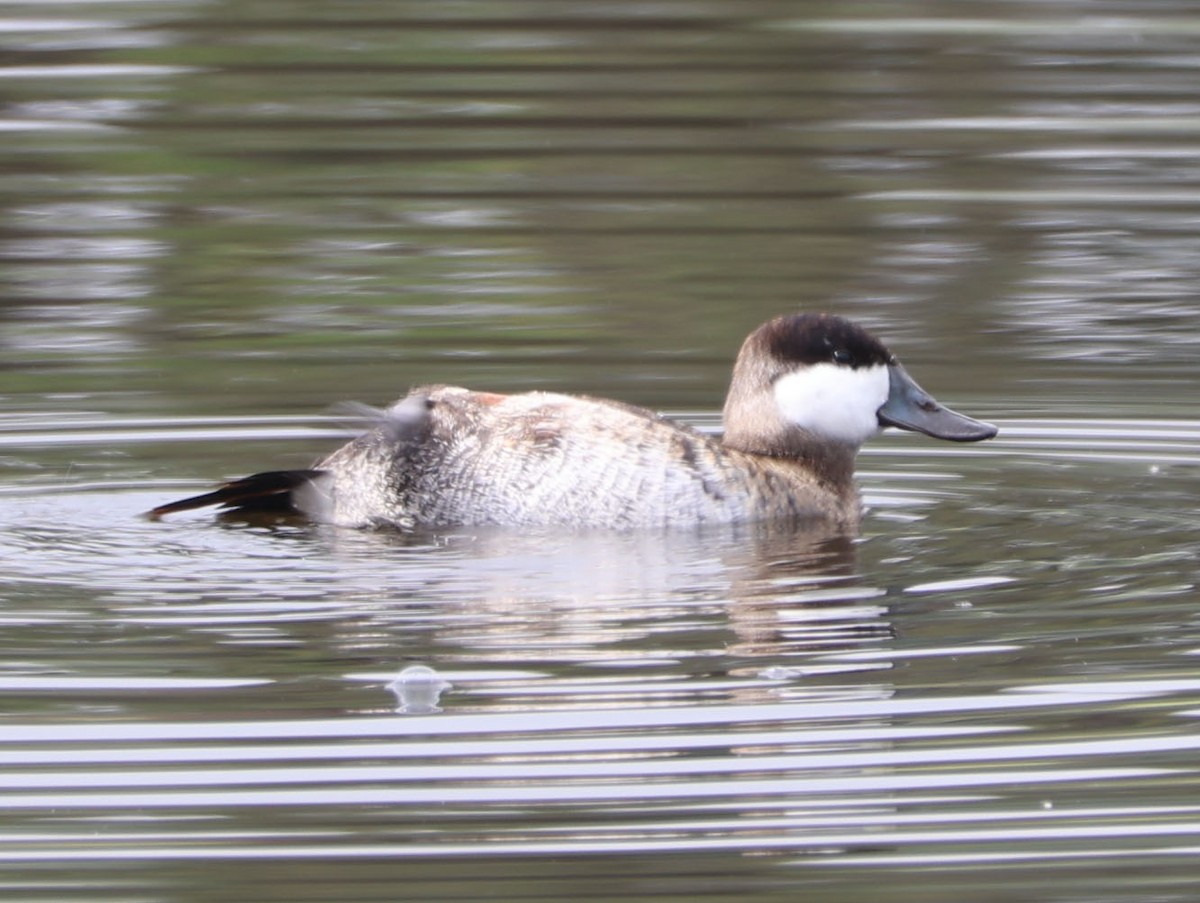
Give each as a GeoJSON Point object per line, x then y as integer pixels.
{"type": "Point", "coordinates": [814, 379]}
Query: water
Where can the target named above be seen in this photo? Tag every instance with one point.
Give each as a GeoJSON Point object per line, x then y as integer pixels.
{"type": "Point", "coordinates": [218, 220]}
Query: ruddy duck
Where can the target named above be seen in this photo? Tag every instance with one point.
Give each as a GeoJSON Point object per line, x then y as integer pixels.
{"type": "Point", "coordinates": [807, 391]}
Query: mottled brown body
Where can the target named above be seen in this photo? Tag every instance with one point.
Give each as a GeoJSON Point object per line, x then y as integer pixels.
{"type": "Point", "coordinates": [539, 458]}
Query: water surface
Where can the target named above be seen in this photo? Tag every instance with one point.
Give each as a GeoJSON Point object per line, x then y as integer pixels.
{"type": "Point", "coordinates": [219, 220]}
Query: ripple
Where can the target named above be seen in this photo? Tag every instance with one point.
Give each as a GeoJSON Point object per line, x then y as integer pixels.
{"type": "Point", "coordinates": [94, 70]}
{"type": "Point", "coordinates": [77, 685]}
{"type": "Point", "coordinates": [962, 583]}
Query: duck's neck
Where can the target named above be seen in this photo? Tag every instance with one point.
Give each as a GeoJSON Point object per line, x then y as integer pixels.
{"type": "Point", "coordinates": [768, 435]}
{"type": "Point", "coordinates": [755, 426]}
{"type": "Point", "coordinates": [830, 463]}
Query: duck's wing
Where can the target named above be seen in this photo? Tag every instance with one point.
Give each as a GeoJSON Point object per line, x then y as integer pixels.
{"type": "Point", "coordinates": [268, 492]}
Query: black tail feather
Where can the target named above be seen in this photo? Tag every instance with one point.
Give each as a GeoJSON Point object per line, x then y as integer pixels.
{"type": "Point", "coordinates": [261, 492]}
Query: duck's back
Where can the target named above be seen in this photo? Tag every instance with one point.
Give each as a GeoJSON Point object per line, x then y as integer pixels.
{"type": "Point", "coordinates": [451, 456]}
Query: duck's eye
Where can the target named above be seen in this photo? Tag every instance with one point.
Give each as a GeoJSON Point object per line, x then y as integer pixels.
{"type": "Point", "coordinates": [841, 356]}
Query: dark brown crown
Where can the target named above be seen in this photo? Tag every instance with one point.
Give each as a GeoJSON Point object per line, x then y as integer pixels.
{"type": "Point", "coordinates": [822, 338]}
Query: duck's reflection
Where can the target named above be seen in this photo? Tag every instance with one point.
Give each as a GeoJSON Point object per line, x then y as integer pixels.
{"type": "Point", "coordinates": [727, 611]}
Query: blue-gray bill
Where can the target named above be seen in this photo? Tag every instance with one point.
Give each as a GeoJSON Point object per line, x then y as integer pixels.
{"type": "Point", "coordinates": [909, 407]}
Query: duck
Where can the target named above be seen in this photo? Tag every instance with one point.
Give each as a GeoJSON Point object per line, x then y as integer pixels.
{"type": "Point", "coordinates": [807, 390]}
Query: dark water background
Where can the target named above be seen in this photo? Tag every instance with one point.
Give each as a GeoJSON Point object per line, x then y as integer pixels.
{"type": "Point", "coordinates": [219, 219]}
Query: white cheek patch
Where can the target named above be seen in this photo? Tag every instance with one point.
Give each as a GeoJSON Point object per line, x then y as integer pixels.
{"type": "Point", "coordinates": [835, 402]}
